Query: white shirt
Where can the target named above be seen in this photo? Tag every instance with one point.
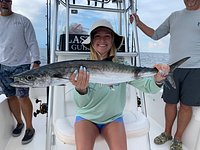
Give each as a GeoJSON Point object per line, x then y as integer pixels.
{"type": "Point", "coordinates": [184, 29]}
{"type": "Point", "coordinates": [18, 44]}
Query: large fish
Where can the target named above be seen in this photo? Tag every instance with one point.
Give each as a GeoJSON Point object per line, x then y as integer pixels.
{"type": "Point", "coordinates": [104, 72]}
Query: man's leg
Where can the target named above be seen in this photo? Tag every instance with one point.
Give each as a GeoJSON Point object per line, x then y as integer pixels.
{"type": "Point", "coordinates": [27, 110]}
{"type": "Point", "coordinates": [14, 106]}
{"type": "Point", "coordinates": [170, 116]}
{"type": "Point", "coordinates": [184, 117]}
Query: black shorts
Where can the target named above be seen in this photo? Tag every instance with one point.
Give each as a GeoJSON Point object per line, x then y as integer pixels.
{"type": "Point", "coordinates": [187, 90]}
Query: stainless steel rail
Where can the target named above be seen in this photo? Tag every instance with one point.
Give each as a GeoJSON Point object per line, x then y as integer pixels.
{"type": "Point", "coordinates": [123, 8]}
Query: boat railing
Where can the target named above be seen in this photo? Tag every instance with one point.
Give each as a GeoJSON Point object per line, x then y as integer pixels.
{"type": "Point", "coordinates": [122, 8]}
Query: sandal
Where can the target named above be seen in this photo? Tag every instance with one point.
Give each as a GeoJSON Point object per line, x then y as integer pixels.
{"type": "Point", "coordinates": [176, 145]}
{"type": "Point", "coordinates": [162, 138]}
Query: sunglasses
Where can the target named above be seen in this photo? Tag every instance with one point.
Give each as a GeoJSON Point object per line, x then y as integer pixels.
{"type": "Point", "coordinates": [6, 1]}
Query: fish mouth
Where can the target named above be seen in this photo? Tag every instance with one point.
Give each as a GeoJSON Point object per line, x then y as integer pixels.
{"type": "Point", "coordinates": [19, 84]}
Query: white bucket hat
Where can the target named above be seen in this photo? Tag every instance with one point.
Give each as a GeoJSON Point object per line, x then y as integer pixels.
{"type": "Point", "coordinates": [118, 39]}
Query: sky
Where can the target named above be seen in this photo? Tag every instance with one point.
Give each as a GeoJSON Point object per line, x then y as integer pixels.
{"type": "Point", "coordinates": [34, 10]}
{"type": "Point", "coordinates": [151, 12]}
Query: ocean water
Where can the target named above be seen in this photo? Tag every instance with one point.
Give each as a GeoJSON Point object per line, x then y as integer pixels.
{"type": "Point", "coordinates": [147, 59]}
{"type": "Point", "coordinates": [43, 56]}
{"type": "Point", "coordinates": [150, 59]}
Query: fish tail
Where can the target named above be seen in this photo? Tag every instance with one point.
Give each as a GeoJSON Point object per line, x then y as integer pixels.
{"type": "Point", "coordinates": [177, 64]}
{"type": "Point", "coordinates": [173, 66]}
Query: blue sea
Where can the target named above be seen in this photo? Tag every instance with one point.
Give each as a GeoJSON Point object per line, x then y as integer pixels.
{"type": "Point", "coordinates": [147, 59]}
{"type": "Point", "coordinates": [150, 59]}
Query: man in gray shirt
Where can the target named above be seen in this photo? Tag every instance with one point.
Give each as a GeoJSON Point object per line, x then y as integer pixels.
{"type": "Point", "coordinates": [18, 49]}
{"type": "Point", "coordinates": [184, 29]}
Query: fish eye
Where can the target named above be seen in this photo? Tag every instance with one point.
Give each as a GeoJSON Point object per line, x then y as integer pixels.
{"type": "Point", "coordinates": [29, 77]}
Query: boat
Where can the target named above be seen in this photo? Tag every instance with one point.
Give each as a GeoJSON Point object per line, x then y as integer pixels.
{"type": "Point", "coordinates": [54, 108]}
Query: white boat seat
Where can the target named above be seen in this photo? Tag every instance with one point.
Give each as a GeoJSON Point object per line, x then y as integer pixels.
{"type": "Point", "coordinates": [136, 124]}
{"type": "Point", "coordinates": [196, 113]}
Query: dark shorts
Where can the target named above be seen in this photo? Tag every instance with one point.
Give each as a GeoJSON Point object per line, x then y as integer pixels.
{"type": "Point", "coordinates": [99, 126]}
{"type": "Point", "coordinates": [187, 90]}
{"type": "Point", "coordinates": [6, 72]}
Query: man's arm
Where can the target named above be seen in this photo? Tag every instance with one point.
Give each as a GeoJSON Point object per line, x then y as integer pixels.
{"type": "Point", "coordinates": [146, 29]}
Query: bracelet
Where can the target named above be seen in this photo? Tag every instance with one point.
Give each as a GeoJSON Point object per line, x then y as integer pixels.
{"type": "Point", "coordinates": [37, 62]}
{"type": "Point", "coordinates": [82, 93]}
{"type": "Point", "coordinates": [159, 83]}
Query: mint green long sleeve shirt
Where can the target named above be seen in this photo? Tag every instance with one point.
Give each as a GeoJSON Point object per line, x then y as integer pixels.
{"type": "Point", "coordinates": [103, 103]}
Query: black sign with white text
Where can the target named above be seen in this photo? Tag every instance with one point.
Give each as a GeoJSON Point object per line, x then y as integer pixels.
{"type": "Point", "coordinates": [75, 41]}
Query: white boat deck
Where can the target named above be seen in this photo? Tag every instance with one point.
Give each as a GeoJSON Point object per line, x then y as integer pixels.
{"type": "Point", "coordinates": [156, 129]}
{"type": "Point", "coordinates": [39, 140]}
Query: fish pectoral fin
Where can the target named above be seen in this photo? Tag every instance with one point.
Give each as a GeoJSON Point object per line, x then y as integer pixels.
{"type": "Point", "coordinates": [170, 80]}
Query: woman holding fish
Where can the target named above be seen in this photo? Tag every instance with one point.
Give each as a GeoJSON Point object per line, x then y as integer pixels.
{"type": "Point", "coordinates": [100, 107]}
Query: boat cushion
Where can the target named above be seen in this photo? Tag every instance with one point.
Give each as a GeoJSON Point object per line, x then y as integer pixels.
{"type": "Point", "coordinates": [136, 124]}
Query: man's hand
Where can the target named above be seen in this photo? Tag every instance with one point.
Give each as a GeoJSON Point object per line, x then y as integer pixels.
{"type": "Point", "coordinates": [163, 71]}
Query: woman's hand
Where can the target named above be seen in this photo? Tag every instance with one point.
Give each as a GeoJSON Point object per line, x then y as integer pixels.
{"type": "Point", "coordinates": [80, 79]}
{"type": "Point", "coordinates": [163, 71]}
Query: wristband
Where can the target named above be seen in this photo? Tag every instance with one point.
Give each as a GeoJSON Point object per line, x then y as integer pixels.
{"type": "Point", "coordinates": [82, 93]}
{"type": "Point", "coordinates": [37, 62]}
{"type": "Point", "coordinates": [159, 83]}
